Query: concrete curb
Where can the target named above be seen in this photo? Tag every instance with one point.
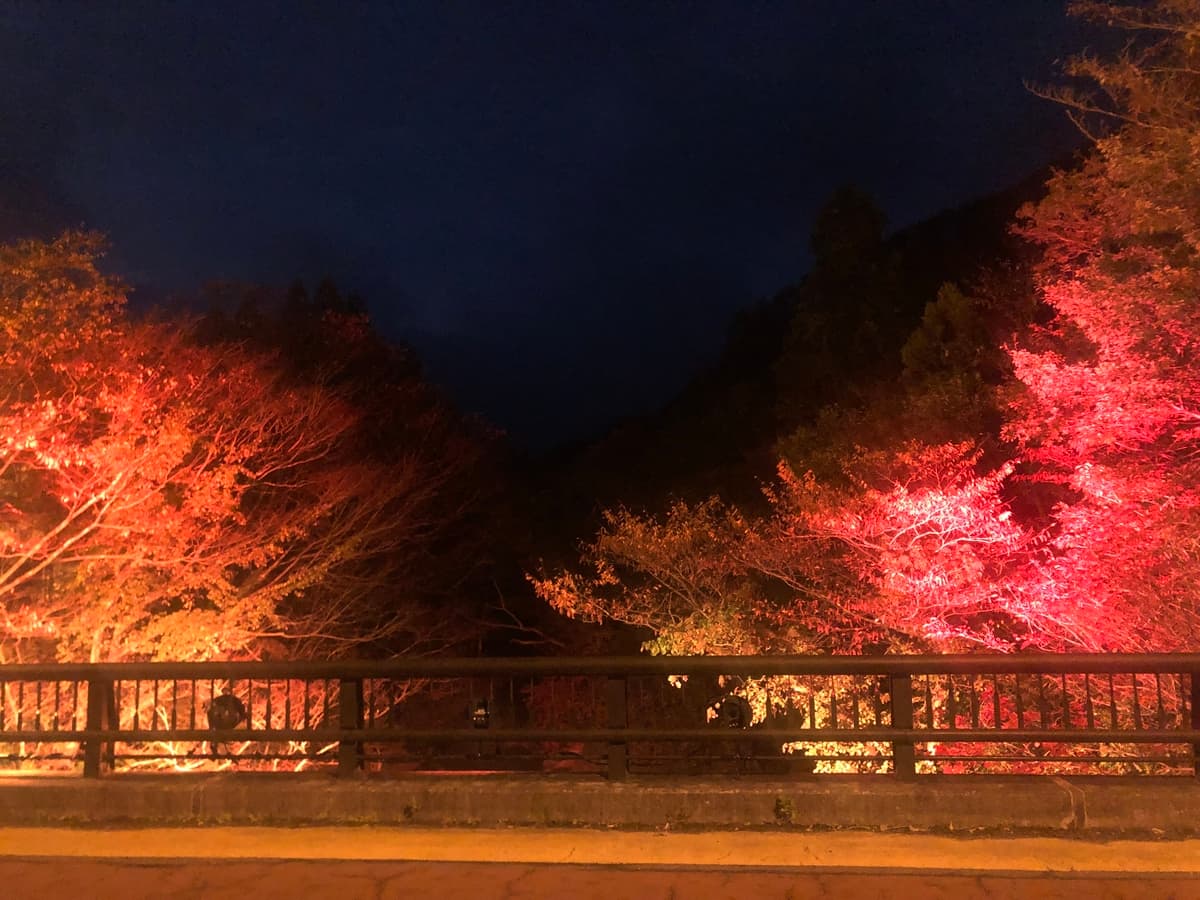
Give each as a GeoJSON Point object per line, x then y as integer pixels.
{"type": "Point", "coordinates": [1148, 807]}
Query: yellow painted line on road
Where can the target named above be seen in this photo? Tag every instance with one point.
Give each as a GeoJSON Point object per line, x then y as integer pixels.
{"type": "Point", "coordinates": [851, 850]}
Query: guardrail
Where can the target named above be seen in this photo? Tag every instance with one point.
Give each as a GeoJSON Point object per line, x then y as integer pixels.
{"type": "Point", "coordinates": [900, 714]}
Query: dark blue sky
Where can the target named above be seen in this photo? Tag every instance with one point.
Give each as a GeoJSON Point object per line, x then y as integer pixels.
{"type": "Point", "coordinates": [560, 204]}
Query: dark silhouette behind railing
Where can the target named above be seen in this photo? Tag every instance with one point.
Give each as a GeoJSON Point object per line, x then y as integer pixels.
{"type": "Point", "coordinates": [1111, 713]}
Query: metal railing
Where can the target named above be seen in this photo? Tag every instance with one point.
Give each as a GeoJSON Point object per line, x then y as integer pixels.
{"type": "Point", "coordinates": [905, 715]}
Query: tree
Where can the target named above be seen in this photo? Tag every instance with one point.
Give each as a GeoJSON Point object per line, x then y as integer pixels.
{"type": "Point", "coordinates": [1076, 526]}
{"type": "Point", "coordinates": [847, 309]}
{"type": "Point", "coordinates": [166, 497]}
{"type": "Point", "coordinates": [678, 578]}
{"type": "Point", "coordinates": [1111, 388]}
{"type": "Point", "coordinates": [449, 512]}
{"type": "Point", "coordinates": [911, 552]}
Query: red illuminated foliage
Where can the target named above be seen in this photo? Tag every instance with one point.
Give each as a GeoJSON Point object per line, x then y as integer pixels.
{"type": "Point", "coordinates": [1111, 399]}
{"type": "Point", "coordinates": [915, 544]}
{"type": "Point", "coordinates": [916, 556]}
{"type": "Point", "coordinates": [924, 538]}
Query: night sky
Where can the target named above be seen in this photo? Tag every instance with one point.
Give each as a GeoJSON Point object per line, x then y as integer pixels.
{"type": "Point", "coordinates": [559, 204]}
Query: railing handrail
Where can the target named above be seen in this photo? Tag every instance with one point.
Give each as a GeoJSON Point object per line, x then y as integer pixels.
{"type": "Point", "coordinates": [350, 720]}
{"type": "Point", "coordinates": [451, 667]}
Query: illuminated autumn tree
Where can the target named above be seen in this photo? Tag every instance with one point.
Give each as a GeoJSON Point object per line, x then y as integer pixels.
{"type": "Point", "coordinates": [1099, 549]}
{"type": "Point", "coordinates": [168, 498]}
{"type": "Point", "coordinates": [679, 577]}
{"type": "Point", "coordinates": [1111, 400]}
{"type": "Point", "coordinates": [430, 582]}
{"type": "Point", "coordinates": [887, 527]}
{"type": "Point", "coordinates": [912, 551]}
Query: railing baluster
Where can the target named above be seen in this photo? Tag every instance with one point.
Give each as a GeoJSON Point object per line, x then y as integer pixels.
{"type": "Point", "coordinates": [1020, 700]}
{"type": "Point", "coordinates": [1066, 702]}
{"type": "Point", "coordinates": [951, 706]}
{"type": "Point", "coordinates": [617, 713]}
{"type": "Point", "coordinates": [350, 699]}
{"type": "Point", "coordinates": [1112, 702]}
{"type": "Point", "coordinates": [1043, 706]}
{"type": "Point", "coordinates": [512, 697]}
{"type": "Point", "coordinates": [1091, 712]}
{"type": "Point", "coordinates": [1162, 716]}
{"type": "Point", "coordinates": [974, 702]}
{"type": "Point", "coordinates": [1194, 703]}
{"type": "Point", "coordinates": [99, 705]}
{"type": "Point", "coordinates": [930, 711]}
{"type": "Point", "coordinates": [904, 760]}
{"type": "Point", "coordinates": [307, 704]}
{"type": "Point", "coordinates": [1137, 707]}
{"type": "Point", "coordinates": [997, 723]}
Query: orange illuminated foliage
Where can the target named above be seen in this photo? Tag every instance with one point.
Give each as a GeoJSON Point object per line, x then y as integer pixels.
{"type": "Point", "coordinates": [166, 498]}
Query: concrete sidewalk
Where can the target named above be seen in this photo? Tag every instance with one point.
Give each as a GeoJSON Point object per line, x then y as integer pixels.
{"type": "Point", "coordinates": [1013, 805]}
{"type": "Point", "coordinates": [855, 851]}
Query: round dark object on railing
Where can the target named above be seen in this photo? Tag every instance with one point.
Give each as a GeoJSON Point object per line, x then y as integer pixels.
{"type": "Point", "coordinates": [732, 712]}
{"type": "Point", "coordinates": [226, 711]}
{"type": "Point", "coordinates": [481, 716]}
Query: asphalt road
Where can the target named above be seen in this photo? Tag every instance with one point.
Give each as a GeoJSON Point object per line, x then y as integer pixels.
{"type": "Point", "coordinates": [50, 878]}
{"type": "Point", "coordinates": [347, 863]}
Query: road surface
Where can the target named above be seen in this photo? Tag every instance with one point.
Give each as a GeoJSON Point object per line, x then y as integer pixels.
{"type": "Point", "coordinates": [523, 864]}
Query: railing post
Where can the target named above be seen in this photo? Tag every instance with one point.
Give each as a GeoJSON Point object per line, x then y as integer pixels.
{"type": "Point", "coordinates": [350, 715]}
{"type": "Point", "coordinates": [101, 716]}
{"type": "Point", "coordinates": [615, 696]}
{"type": "Point", "coordinates": [904, 756]}
{"type": "Point", "coordinates": [1194, 702]}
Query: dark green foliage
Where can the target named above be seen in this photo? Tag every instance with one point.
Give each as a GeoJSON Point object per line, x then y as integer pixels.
{"type": "Point", "coordinates": [846, 312]}
{"type": "Point", "coordinates": [806, 370]}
